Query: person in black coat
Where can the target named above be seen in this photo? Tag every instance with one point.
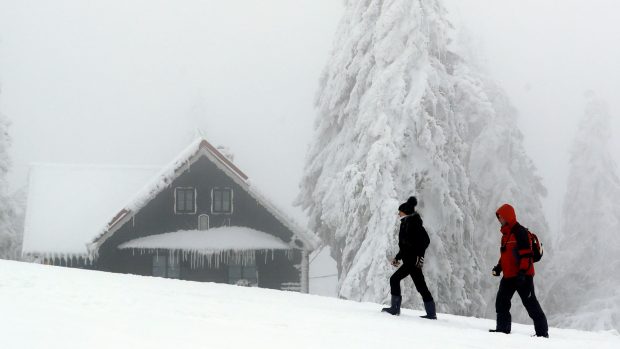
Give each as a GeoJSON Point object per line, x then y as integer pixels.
{"type": "Point", "coordinates": [412, 242]}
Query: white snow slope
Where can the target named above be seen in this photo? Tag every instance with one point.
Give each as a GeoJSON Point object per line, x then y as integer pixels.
{"type": "Point", "coordinates": [53, 307]}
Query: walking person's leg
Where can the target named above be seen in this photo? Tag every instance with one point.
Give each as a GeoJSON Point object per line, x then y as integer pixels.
{"type": "Point", "coordinates": [534, 310]}
{"type": "Point", "coordinates": [507, 288]}
{"type": "Point", "coordinates": [396, 298]}
{"type": "Point", "coordinates": [420, 285]}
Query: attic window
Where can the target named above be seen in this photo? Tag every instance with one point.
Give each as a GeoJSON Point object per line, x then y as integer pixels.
{"type": "Point", "coordinates": [185, 200]}
{"type": "Point", "coordinates": [203, 222]}
{"type": "Point", "coordinates": [221, 199]}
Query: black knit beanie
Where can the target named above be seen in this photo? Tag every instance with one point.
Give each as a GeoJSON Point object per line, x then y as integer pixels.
{"type": "Point", "coordinates": [409, 206]}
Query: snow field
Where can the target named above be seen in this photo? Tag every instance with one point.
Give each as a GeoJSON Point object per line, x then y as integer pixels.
{"type": "Point", "coordinates": [53, 307]}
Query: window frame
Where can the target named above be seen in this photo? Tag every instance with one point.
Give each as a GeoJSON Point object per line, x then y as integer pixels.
{"type": "Point", "coordinates": [185, 189]}
{"type": "Point", "coordinates": [222, 189]}
{"type": "Point", "coordinates": [242, 273]}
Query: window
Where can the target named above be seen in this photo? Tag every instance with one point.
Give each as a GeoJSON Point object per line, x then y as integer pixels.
{"type": "Point", "coordinates": [166, 267]}
{"type": "Point", "coordinates": [221, 200]}
{"type": "Point", "coordinates": [203, 222]}
{"type": "Point", "coordinates": [159, 266]}
{"type": "Point", "coordinates": [244, 275]}
{"type": "Point", "coordinates": [185, 200]}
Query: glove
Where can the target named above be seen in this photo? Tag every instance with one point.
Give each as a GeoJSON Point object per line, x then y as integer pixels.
{"type": "Point", "coordinates": [497, 270]}
{"type": "Point", "coordinates": [395, 262]}
{"type": "Point", "coordinates": [419, 262]}
{"type": "Point", "coordinates": [521, 278]}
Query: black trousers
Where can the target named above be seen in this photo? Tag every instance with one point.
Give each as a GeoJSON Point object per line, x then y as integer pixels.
{"type": "Point", "coordinates": [507, 288]}
{"type": "Point", "coordinates": [418, 280]}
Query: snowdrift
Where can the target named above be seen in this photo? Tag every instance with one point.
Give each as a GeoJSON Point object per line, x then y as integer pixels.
{"type": "Point", "coordinates": [53, 307]}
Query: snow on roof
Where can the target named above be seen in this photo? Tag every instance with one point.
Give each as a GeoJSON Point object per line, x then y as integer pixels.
{"type": "Point", "coordinates": [210, 241]}
{"type": "Point", "coordinates": [196, 149]}
{"type": "Point", "coordinates": [169, 172]}
{"type": "Point", "coordinates": [66, 204]}
{"type": "Point", "coordinates": [309, 239]}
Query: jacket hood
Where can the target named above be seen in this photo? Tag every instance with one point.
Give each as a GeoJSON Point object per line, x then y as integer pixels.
{"type": "Point", "coordinates": [507, 212]}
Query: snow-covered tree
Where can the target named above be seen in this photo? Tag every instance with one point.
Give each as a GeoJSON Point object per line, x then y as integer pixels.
{"type": "Point", "coordinates": [400, 113]}
{"type": "Point", "coordinates": [498, 165]}
{"type": "Point", "coordinates": [586, 290]}
{"type": "Point", "coordinates": [387, 130]}
{"type": "Point", "coordinates": [9, 241]}
{"type": "Point", "coordinates": [19, 199]}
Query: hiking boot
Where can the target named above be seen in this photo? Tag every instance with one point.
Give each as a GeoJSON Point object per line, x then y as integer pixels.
{"type": "Point", "coordinates": [499, 331]}
{"type": "Point", "coordinates": [430, 311]}
{"type": "Point", "coordinates": [395, 308]}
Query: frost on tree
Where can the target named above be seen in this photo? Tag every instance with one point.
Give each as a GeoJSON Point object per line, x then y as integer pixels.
{"type": "Point", "coordinates": [9, 242]}
{"type": "Point", "coordinates": [401, 113]}
{"type": "Point", "coordinates": [586, 289]}
{"type": "Point", "coordinates": [387, 130]}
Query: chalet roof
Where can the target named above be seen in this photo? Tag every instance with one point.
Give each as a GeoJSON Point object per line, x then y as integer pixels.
{"type": "Point", "coordinates": [200, 147]}
{"type": "Point", "coordinates": [210, 241]}
{"type": "Point", "coordinates": [67, 204]}
{"type": "Point", "coordinates": [82, 222]}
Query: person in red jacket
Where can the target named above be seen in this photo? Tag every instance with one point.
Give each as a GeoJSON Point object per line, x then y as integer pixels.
{"type": "Point", "coordinates": [518, 267]}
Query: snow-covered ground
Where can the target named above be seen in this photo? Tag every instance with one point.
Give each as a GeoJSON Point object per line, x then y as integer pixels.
{"type": "Point", "coordinates": [53, 307]}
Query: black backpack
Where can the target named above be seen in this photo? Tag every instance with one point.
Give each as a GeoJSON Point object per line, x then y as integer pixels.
{"type": "Point", "coordinates": [537, 247]}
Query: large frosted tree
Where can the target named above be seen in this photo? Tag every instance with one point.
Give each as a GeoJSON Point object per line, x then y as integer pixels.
{"type": "Point", "coordinates": [586, 290]}
{"type": "Point", "coordinates": [500, 169]}
{"type": "Point", "coordinates": [386, 130]}
{"type": "Point", "coordinates": [401, 114]}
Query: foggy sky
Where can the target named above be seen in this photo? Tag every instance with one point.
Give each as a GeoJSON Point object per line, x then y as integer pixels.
{"type": "Point", "coordinates": [546, 55]}
{"type": "Point", "coordinates": [131, 82]}
{"type": "Point", "coordinates": [119, 83]}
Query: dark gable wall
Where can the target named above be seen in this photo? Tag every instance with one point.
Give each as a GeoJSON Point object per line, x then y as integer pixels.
{"type": "Point", "coordinates": [158, 217]}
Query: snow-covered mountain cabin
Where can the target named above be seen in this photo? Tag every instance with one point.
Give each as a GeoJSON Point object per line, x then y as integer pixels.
{"type": "Point", "coordinates": [199, 219]}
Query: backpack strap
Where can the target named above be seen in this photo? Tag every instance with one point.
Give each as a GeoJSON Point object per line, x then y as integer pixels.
{"type": "Point", "coordinates": [526, 255]}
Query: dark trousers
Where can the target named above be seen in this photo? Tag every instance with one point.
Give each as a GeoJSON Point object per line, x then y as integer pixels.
{"type": "Point", "coordinates": [418, 281]}
{"type": "Point", "coordinates": [507, 288]}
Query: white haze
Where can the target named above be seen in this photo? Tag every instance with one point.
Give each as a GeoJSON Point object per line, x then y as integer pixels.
{"type": "Point", "coordinates": [546, 55]}
{"type": "Point", "coordinates": [130, 82]}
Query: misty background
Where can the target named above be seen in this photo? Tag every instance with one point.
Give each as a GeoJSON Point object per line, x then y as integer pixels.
{"type": "Point", "coordinates": [119, 82]}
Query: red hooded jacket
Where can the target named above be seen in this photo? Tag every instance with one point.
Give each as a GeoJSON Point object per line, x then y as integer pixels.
{"type": "Point", "coordinates": [516, 248]}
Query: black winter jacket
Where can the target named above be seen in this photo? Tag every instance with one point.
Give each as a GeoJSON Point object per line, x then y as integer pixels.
{"type": "Point", "coordinates": [412, 238]}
